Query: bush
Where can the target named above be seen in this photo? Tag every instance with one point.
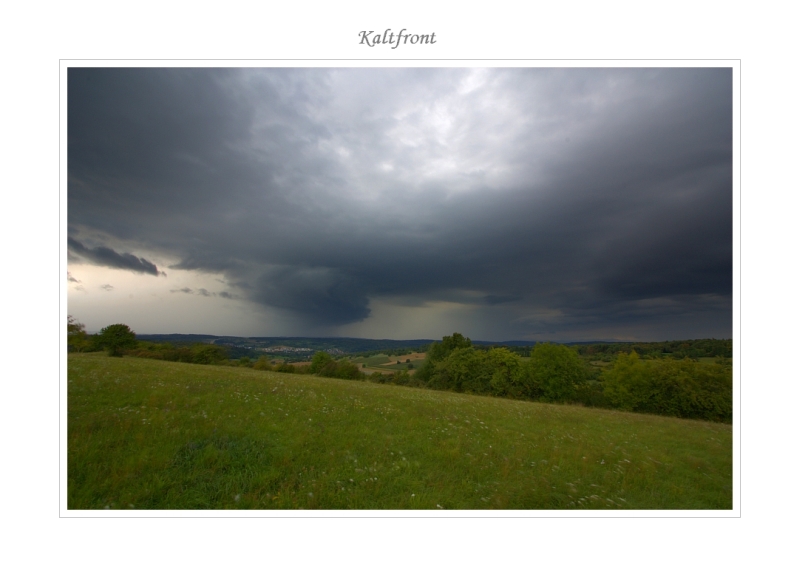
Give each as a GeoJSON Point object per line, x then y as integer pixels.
{"type": "Point", "coordinates": [439, 351]}
{"type": "Point", "coordinates": [555, 373]}
{"type": "Point", "coordinates": [464, 369]}
{"type": "Point", "coordinates": [401, 377]}
{"type": "Point", "coordinates": [208, 354]}
{"type": "Point", "coordinates": [679, 388]}
{"type": "Point", "coordinates": [116, 338]}
{"type": "Point", "coordinates": [343, 369]}
{"type": "Point", "coordinates": [320, 359]}
{"type": "Point", "coordinates": [77, 340]}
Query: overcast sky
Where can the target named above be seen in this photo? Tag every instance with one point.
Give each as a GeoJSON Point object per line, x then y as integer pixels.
{"type": "Point", "coordinates": [506, 203]}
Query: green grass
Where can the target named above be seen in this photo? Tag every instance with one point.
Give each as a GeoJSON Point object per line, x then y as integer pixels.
{"type": "Point", "coordinates": [148, 434]}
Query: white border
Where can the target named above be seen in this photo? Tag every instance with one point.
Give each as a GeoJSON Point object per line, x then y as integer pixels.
{"type": "Point", "coordinates": [375, 63]}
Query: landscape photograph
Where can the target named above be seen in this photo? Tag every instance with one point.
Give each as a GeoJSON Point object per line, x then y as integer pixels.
{"type": "Point", "coordinates": [442, 290]}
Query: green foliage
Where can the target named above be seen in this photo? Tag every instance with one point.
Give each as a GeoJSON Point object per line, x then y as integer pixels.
{"type": "Point", "coordinates": [438, 351]}
{"type": "Point", "coordinates": [198, 353]}
{"type": "Point", "coordinates": [401, 377]}
{"type": "Point", "coordinates": [555, 372]}
{"type": "Point", "coordinates": [262, 364]}
{"type": "Point", "coordinates": [285, 368]}
{"type": "Point", "coordinates": [321, 358]}
{"type": "Point", "coordinates": [116, 338]}
{"type": "Point", "coordinates": [464, 369]}
{"type": "Point", "coordinates": [343, 369]}
{"type": "Point", "coordinates": [625, 382]}
{"type": "Point", "coordinates": [693, 349]}
{"type": "Point", "coordinates": [680, 388]}
{"type": "Point", "coordinates": [509, 378]}
{"type": "Point", "coordinates": [77, 340]}
{"type": "Point", "coordinates": [208, 354]}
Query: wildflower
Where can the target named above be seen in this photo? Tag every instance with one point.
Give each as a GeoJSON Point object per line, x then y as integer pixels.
{"type": "Point", "coordinates": [237, 497]}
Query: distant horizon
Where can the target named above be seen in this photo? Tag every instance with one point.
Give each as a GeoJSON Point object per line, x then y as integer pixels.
{"type": "Point", "coordinates": [478, 341]}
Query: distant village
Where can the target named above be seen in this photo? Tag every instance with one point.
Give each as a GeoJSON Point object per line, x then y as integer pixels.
{"type": "Point", "coordinates": [285, 349]}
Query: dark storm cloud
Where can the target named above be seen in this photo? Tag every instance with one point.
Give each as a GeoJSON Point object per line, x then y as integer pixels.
{"type": "Point", "coordinates": [105, 256]}
{"type": "Point", "coordinates": [555, 198]}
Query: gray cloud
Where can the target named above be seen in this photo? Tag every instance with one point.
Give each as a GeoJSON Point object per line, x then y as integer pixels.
{"type": "Point", "coordinates": [204, 293]}
{"type": "Point", "coordinates": [550, 201]}
{"type": "Point", "coordinates": [105, 256]}
{"type": "Point", "coordinates": [107, 287]}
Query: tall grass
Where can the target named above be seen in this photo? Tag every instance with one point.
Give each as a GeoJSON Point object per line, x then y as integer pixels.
{"type": "Point", "coordinates": [145, 434]}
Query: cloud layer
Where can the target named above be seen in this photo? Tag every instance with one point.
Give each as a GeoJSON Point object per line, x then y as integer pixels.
{"type": "Point", "coordinates": [548, 202]}
{"type": "Point", "coordinates": [105, 256]}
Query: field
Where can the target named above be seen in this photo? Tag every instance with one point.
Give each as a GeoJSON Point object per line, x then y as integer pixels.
{"type": "Point", "coordinates": [148, 434]}
{"type": "Point", "coordinates": [388, 364]}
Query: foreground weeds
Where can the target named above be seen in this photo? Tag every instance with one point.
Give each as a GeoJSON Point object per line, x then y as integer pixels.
{"type": "Point", "coordinates": [144, 434]}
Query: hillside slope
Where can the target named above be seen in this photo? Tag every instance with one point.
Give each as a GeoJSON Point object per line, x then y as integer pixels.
{"type": "Point", "coordinates": [150, 434]}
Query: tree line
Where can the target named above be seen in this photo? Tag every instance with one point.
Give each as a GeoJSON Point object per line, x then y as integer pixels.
{"type": "Point", "coordinates": [554, 373]}
{"type": "Point", "coordinates": [118, 340]}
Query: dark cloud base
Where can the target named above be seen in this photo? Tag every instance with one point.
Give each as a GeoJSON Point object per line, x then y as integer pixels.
{"type": "Point", "coordinates": [603, 196]}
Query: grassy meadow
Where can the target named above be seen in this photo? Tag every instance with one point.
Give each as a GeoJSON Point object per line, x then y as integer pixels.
{"type": "Point", "coordinates": [149, 434]}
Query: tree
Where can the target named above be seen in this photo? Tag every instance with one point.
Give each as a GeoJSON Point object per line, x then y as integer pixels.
{"type": "Point", "coordinates": [625, 382]}
{"type": "Point", "coordinates": [555, 372]}
{"type": "Point", "coordinates": [320, 359]}
{"type": "Point", "coordinates": [76, 335]}
{"type": "Point", "coordinates": [439, 351]}
{"type": "Point", "coordinates": [464, 369]}
{"type": "Point", "coordinates": [262, 364]}
{"type": "Point", "coordinates": [116, 338]}
{"type": "Point", "coordinates": [679, 388]}
{"type": "Point", "coordinates": [507, 374]}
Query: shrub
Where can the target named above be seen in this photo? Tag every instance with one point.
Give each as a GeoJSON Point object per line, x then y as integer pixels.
{"type": "Point", "coordinates": [208, 354]}
{"type": "Point", "coordinates": [77, 340]}
{"type": "Point", "coordinates": [116, 338]}
{"type": "Point", "coordinates": [439, 351]}
{"type": "Point", "coordinates": [555, 372]}
{"type": "Point", "coordinates": [679, 388]}
{"type": "Point", "coordinates": [401, 377]}
{"type": "Point", "coordinates": [320, 359]}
